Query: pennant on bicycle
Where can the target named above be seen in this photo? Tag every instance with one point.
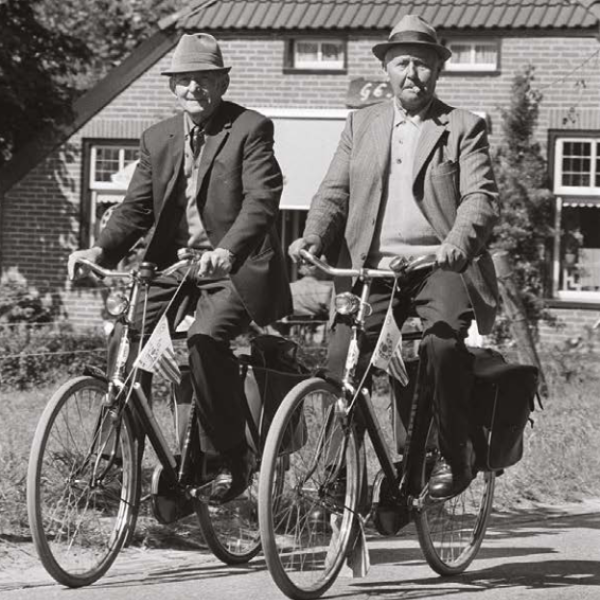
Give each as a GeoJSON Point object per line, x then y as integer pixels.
{"type": "Point", "coordinates": [158, 354]}
{"type": "Point", "coordinates": [388, 350]}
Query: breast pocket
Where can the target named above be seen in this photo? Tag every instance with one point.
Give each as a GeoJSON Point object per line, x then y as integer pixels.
{"type": "Point", "coordinates": [445, 169]}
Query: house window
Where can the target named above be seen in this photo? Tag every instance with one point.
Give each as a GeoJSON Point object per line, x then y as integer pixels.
{"type": "Point", "coordinates": [109, 169]}
{"type": "Point", "coordinates": [473, 55]}
{"type": "Point", "coordinates": [577, 166]}
{"type": "Point", "coordinates": [310, 54]}
{"type": "Point", "coordinates": [576, 176]}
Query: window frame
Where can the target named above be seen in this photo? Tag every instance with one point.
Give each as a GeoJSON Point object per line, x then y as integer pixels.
{"type": "Point", "coordinates": [89, 187]}
{"type": "Point", "coordinates": [473, 67]}
{"type": "Point", "coordinates": [290, 65]}
{"type": "Point", "coordinates": [565, 197]}
{"type": "Point", "coordinates": [557, 171]}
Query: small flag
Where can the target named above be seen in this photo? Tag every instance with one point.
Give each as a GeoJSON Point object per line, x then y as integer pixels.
{"type": "Point", "coordinates": [359, 560]}
{"type": "Point", "coordinates": [388, 350]}
{"type": "Point", "coordinates": [158, 355]}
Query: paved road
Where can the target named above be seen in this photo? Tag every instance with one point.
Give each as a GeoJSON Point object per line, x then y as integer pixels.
{"type": "Point", "coordinates": [546, 553]}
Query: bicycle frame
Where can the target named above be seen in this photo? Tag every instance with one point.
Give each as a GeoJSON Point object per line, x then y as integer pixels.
{"type": "Point", "coordinates": [121, 382]}
{"type": "Point", "coordinates": [357, 397]}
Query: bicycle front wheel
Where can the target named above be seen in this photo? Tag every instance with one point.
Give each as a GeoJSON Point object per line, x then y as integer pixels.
{"type": "Point", "coordinates": [82, 498]}
{"type": "Point", "coordinates": [450, 532]}
{"type": "Point", "coordinates": [307, 519]}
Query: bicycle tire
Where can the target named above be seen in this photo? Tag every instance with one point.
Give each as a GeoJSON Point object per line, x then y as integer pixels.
{"type": "Point", "coordinates": [79, 525]}
{"type": "Point", "coordinates": [231, 530]}
{"type": "Point", "coordinates": [450, 532]}
{"type": "Point", "coordinates": [307, 524]}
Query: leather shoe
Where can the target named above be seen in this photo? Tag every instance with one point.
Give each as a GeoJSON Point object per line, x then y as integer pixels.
{"type": "Point", "coordinates": [240, 466]}
{"type": "Point", "coordinates": [445, 484]}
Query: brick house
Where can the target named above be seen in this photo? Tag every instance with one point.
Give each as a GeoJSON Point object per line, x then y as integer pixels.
{"type": "Point", "coordinates": [306, 63]}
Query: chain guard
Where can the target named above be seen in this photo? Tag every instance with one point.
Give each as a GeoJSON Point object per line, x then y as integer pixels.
{"type": "Point", "coordinates": [390, 515]}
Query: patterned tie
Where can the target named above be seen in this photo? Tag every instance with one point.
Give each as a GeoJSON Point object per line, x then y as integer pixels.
{"type": "Point", "coordinates": [197, 140]}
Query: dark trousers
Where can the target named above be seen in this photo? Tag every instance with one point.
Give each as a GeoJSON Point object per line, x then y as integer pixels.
{"type": "Point", "coordinates": [220, 316]}
{"type": "Point", "coordinates": [442, 304]}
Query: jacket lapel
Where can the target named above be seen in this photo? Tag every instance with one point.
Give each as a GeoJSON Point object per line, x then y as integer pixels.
{"type": "Point", "coordinates": [381, 129]}
{"type": "Point", "coordinates": [176, 142]}
{"type": "Point", "coordinates": [434, 126]}
{"type": "Point", "coordinates": [216, 134]}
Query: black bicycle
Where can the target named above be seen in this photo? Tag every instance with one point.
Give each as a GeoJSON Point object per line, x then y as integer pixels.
{"type": "Point", "coordinates": [311, 521]}
{"type": "Point", "coordinates": [84, 477]}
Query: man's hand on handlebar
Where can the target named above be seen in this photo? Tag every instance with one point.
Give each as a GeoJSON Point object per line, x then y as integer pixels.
{"type": "Point", "coordinates": [214, 263]}
{"type": "Point", "coordinates": [76, 269]}
{"type": "Point", "coordinates": [310, 243]}
{"type": "Point", "coordinates": [451, 258]}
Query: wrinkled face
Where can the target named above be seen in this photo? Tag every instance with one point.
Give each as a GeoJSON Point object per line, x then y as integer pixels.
{"type": "Point", "coordinates": [413, 71]}
{"type": "Point", "coordinates": [199, 93]}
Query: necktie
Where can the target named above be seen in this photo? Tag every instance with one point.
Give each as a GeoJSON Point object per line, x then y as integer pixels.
{"type": "Point", "coordinates": [197, 139]}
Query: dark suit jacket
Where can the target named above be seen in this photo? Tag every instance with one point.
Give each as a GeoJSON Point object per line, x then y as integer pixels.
{"type": "Point", "coordinates": [239, 188]}
{"type": "Point", "coordinates": [453, 185]}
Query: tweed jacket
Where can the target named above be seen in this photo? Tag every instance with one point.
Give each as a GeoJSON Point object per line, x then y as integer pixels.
{"type": "Point", "coordinates": [453, 184]}
{"type": "Point", "coordinates": [238, 193]}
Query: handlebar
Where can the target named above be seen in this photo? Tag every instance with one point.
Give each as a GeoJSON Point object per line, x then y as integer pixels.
{"type": "Point", "coordinates": [398, 267]}
{"type": "Point", "coordinates": [103, 273]}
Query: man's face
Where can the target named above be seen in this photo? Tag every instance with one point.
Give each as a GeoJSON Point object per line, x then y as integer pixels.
{"type": "Point", "coordinates": [199, 93]}
{"type": "Point", "coordinates": [413, 71]}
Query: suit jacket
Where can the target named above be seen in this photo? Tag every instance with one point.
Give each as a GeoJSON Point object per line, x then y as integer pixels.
{"type": "Point", "coordinates": [453, 185]}
{"type": "Point", "coordinates": [238, 193]}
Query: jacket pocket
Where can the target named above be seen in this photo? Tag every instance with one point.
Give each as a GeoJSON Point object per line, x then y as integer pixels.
{"type": "Point", "coordinates": [444, 169]}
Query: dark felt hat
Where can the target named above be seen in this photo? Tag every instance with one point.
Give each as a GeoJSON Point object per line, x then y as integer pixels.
{"type": "Point", "coordinates": [196, 52]}
{"type": "Point", "coordinates": [412, 29]}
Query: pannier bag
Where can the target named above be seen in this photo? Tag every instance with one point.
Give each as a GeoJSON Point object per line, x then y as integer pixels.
{"type": "Point", "coordinates": [270, 371]}
{"type": "Point", "coordinates": [503, 398]}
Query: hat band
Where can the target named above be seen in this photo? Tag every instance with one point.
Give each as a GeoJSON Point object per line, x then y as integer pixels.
{"type": "Point", "coordinates": [417, 37]}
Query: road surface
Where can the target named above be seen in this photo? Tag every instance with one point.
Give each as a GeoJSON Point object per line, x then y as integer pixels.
{"type": "Point", "coordinates": [542, 553]}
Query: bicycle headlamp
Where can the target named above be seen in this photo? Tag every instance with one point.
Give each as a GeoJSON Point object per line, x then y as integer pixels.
{"type": "Point", "coordinates": [116, 303]}
{"type": "Point", "coordinates": [346, 303]}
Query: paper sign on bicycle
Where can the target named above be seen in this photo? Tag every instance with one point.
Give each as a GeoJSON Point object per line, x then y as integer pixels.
{"type": "Point", "coordinates": [388, 350]}
{"type": "Point", "coordinates": [158, 355]}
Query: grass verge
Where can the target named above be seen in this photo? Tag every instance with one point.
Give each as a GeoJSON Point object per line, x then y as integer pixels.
{"type": "Point", "coordinates": [560, 464]}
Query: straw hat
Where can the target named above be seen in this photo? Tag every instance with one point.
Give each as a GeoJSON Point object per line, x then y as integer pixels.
{"type": "Point", "coordinates": [412, 30]}
{"type": "Point", "coordinates": [197, 52]}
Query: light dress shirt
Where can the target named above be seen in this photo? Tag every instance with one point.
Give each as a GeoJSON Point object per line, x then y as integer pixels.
{"type": "Point", "coordinates": [401, 229]}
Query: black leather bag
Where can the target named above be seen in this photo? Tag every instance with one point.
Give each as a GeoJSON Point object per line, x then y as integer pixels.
{"type": "Point", "coordinates": [270, 372]}
{"type": "Point", "coordinates": [502, 401]}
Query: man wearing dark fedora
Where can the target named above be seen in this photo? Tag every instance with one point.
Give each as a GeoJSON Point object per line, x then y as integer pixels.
{"type": "Point", "coordinates": [413, 176]}
{"type": "Point", "coordinates": [207, 179]}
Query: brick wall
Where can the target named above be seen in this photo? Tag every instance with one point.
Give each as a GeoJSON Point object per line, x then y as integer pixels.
{"type": "Point", "coordinates": [41, 213]}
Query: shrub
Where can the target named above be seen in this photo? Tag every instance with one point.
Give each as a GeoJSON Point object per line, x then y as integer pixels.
{"type": "Point", "coordinates": [20, 303]}
{"type": "Point", "coordinates": [527, 204]}
{"type": "Point", "coordinates": [37, 355]}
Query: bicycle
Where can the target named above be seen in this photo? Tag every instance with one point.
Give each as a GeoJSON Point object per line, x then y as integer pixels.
{"type": "Point", "coordinates": [84, 475]}
{"type": "Point", "coordinates": [313, 523]}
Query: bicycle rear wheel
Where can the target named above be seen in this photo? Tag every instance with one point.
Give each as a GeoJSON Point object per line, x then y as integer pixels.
{"type": "Point", "coordinates": [81, 502]}
{"type": "Point", "coordinates": [307, 520]}
{"type": "Point", "coordinates": [451, 532]}
{"type": "Point", "coordinates": [231, 530]}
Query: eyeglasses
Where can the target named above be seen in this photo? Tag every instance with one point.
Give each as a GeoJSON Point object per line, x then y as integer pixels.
{"type": "Point", "coordinates": [203, 80]}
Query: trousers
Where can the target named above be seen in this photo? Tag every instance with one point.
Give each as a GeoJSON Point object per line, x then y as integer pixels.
{"type": "Point", "coordinates": [441, 302]}
{"type": "Point", "coordinates": [219, 317]}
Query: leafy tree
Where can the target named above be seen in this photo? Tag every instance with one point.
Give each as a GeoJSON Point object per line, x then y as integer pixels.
{"type": "Point", "coordinates": [527, 203]}
{"type": "Point", "coordinates": [111, 29]}
{"type": "Point", "coordinates": [53, 50]}
{"type": "Point", "coordinates": [35, 62]}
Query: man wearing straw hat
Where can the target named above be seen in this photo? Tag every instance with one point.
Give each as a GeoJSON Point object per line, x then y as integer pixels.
{"type": "Point", "coordinates": [208, 179]}
{"type": "Point", "coordinates": [413, 176]}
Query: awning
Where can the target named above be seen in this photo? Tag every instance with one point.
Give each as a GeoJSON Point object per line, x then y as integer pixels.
{"type": "Point", "coordinates": [581, 202]}
{"type": "Point", "coordinates": [304, 147]}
